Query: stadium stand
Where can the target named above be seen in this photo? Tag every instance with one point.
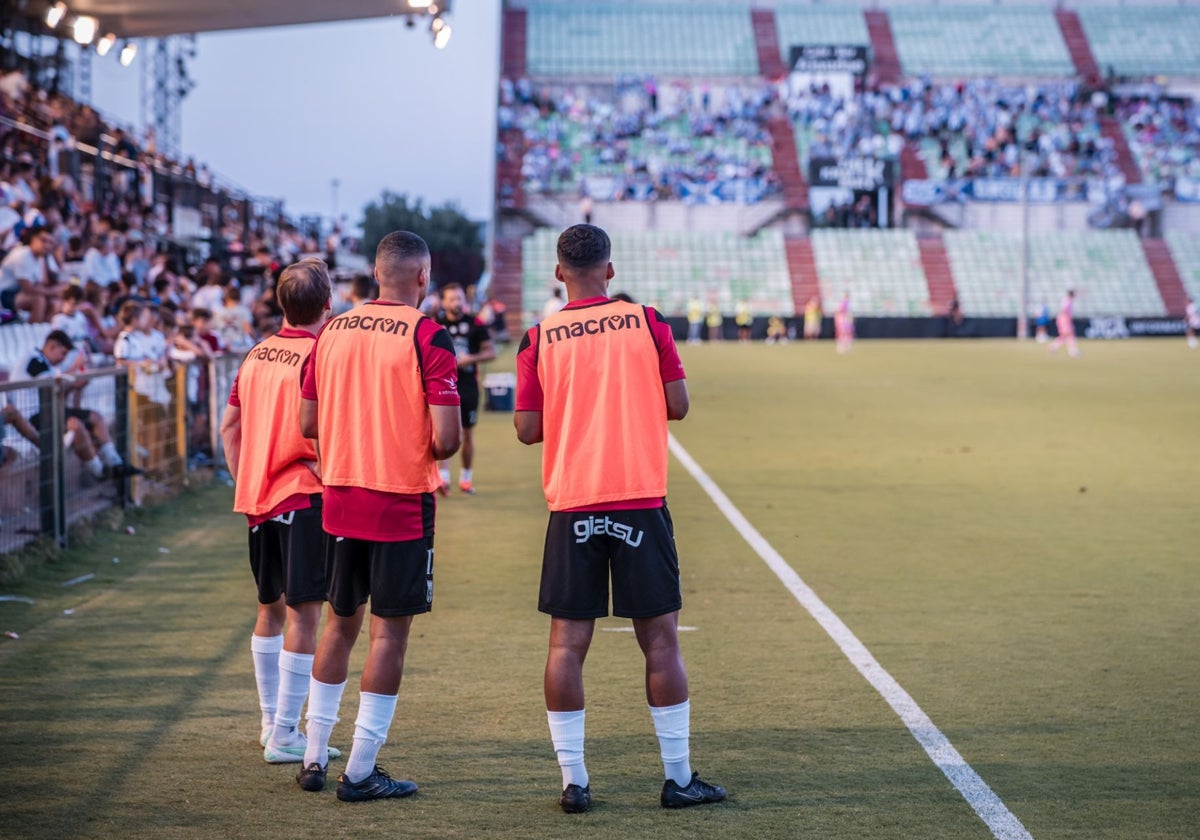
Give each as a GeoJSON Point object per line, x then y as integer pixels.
{"type": "Point", "coordinates": [797, 25]}
{"type": "Point", "coordinates": [965, 41]}
{"type": "Point", "coordinates": [1143, 41]}
{"type": "Point", "coordinates": [880, 268]}
{"type": "Point", "coordinates": [1185, 248]}
{"type": "Point", "coordinates": [1164, 137]}
{"type": "Point", "coordinates": [666, 269]}
{"type": "Point", "coordinates": [617, 39]}
{"type": "Point", "coordinates": [1107, 269]}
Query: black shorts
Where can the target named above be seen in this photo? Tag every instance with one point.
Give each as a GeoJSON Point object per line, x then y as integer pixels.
{"type": "Point", "coordinates": [396, 576]}
{"type": "Point", "coordinates": [637, 547]}
{"type": "Point", "coordinates": [288, 555]}
{"type": "Point", "coordinates": [468, 395]}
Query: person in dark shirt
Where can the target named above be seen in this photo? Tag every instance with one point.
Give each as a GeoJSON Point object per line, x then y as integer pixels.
{"type": "Point", "coordinates": [472, 345]}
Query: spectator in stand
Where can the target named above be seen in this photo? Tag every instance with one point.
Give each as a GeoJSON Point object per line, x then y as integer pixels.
{"type": "Point", "coordinates": [233, 322]}
{"type": "Point", "coordinates": [84, 428]}
{"type": "Point", "coordinates": [25, 282]}
{"type": "Point", "coordinates": [101, 263]}
{"type": "Point", "coordinates": [137, 351]}
{"type": "Point", "coordinates": [211, 292]}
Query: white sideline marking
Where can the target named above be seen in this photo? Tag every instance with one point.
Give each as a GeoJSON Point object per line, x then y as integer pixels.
{"type": "Point", "coordinates": [1003, 824]}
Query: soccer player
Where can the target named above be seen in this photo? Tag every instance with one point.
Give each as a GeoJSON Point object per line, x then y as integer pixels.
{"type": "Point", "coordinates": [1066, 325]}
{"type": "Point", "coordinates": [596, 385]}
{"type": "Point", "coordinates": [1192, 318]}
{"type": "Point", "coordinates": [472, 345]}
{"type": "Point", "coordinates": [843, 325]}
{"type": "Point", "coordinates": [379, 397]}
{"type": "Point", "coordinates": [745, 320]}
{"type": "Point", "coordinates": [279, 491]}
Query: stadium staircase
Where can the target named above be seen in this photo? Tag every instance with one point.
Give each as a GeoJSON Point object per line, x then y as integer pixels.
{"type": "Point", "coordinates": [912, 168]}
{"type": "Point", "coordinates": [766, 42]}
{"type": "Point", "coordinates": [802, 266]}
{"type": "Point", "coordinates": [1111, 128]}
{"type": "Point", "coordinates": [513, 43]}
{"type": "Point", "coordinates": [886, 58]}
{"type": "Point", "coordinates": [1077, 45]}
{"type": "Point", "coordinates": [507, 280]}
{"type": "Point", "coordinates": [1166, 275]}
{"type": "Point", "coordinates": [786, 161]}
{"type": "Point", "coordinates": [938, 273]}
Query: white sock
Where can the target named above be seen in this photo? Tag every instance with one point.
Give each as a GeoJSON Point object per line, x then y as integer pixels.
{"type": "Point", "coordinates": [95, 466]}
{"type": "Point", "coordinates": [464, 475]}
{"type": "Point", "coordinates": [566, 732]}
{"type": "Point", "coordinates": [295, 670]}
{"type": "Point", "coordinates": [109, 454]}
{"type": "Point", "coordinates": [444, 471]}
{"type": "Point", "coordinates": [375, 713]}
{"type": "Point", "coordinates": [323, 702]}
{"type": "Point", "coordinates": [672, 725]}
{"type": "Point", "coordinates": [265, 651]}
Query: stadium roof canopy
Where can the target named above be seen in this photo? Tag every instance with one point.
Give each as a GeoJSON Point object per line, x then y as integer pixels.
{"type": "Point", "coordinates": [156, 18]}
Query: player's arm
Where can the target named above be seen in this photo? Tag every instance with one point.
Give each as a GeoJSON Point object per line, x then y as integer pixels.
{"type": "Point", "coordinates": [529, 426]}
{"type": "Point", "coordinates": [447, 430]}
{"type": "Point", "coordinates": [530, 399]}
{"type": "Point", "coordinates": [231, 438]}
{"type": "Point", "coordinates": [677, 399]}
{"type": "Point", "coordinates": [308, 418]}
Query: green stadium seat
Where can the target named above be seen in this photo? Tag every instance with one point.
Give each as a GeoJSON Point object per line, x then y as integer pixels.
{"type": "Point", "coordinates": [880, 268]}
{"type": "Point", "coordinates": [1144, 40]}
{"type": "Point", "coordinates": [1107, 269]}
{"type": "Point", "coordinates": [1185, 248]}
{"type": "Point", "coordinates": [666, 269]}
{"type": "Point", "coordinates": [963, 41]}
{"type": "Point", "coordinates": [617, 39]}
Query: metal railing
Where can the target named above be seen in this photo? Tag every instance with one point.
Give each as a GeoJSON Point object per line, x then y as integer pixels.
{"type": "Point", "coordinates": [166, 423]}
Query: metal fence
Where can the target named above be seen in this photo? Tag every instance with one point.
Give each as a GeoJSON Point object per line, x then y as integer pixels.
{"type": "Point", "coordinates": [164, 423]}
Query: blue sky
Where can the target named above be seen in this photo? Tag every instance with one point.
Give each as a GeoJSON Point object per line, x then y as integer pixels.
{"type": "Point", "coordinates": [284, 111]}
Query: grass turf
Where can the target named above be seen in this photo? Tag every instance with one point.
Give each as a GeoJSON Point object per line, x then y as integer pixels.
{"type": "Point", "coordinates": [1012, 536]}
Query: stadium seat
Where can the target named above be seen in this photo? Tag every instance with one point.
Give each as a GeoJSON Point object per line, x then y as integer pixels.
{"type": "Point", "coordinates": [1144, 40]}
{"type": "Point", "coordinates": [880, 268]}
{"type": "Point", "coordinates": [1107, 269]}
{"type": "Point", "coordinates": [962, 41]}
{"type": "Point", "coordinates": [617, 39]}
{"type": "Point", "coordinates": [799, 25]}
{"type": "Point", "coordinates": [1185, 249]}
{"type": "Point", "coordinates": [666, 269]}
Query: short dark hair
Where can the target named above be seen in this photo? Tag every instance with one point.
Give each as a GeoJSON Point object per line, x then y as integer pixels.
{"type": "Point", "coordinates": [130, 310]}
{"type": "Point", "coordinates": [362, 286]}
{"type": "Point", "coordinates": [442, 291]}
{"type": "Point", "coordinates": [61, 338]}
{"type": "Point", "coordinates": [584, 246]}
{"type": "Point", "coordinates": [72, 293]}
{"type": "Point", "coordinates": [303, 291]}
{"type": "Point", "coordinates": [201, 314]}
{"type": "Point", "coordinates": [397, 247]}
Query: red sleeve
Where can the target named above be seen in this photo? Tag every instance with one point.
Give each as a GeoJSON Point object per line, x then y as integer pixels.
{"type": "Point", "coordinates": [439, 365]}
{"type": "Point", "coordinates": [670, 366]}
{"type": "Point", "coordinates": [233, 395]}
{"type": "Point", "coordinates": [308, 375]}
{"type": "Point", "coordinates": [529, 388]}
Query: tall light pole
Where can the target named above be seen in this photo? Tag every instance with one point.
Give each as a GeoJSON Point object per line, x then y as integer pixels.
{"type": "Point", "coordinates": [1023, 311]}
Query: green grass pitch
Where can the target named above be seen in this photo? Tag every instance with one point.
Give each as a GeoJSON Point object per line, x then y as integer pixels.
{"type": "Point", "coordinates": [1014, 537]}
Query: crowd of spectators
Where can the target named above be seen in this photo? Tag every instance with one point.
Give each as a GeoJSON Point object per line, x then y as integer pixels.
{"type": "Point", "coordinates": [1164, 136]}
{"type": "Point", "coordinates": [98, 263]}
{"type": "Point", "coordinates": [978, 128]}
{"type": "Point", "coordinates": [633, 141]}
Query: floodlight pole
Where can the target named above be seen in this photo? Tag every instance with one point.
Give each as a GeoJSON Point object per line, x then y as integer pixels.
{"type": "Point", "coordinates": [1023, 310]}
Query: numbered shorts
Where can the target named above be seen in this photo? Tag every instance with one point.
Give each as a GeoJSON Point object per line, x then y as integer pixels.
{"type": "Point", "coordinates": [635, 548]}
{"type": "Point", "coordinates": [288, 556]}
{"type": "Point", "coordinates": [397, 577]}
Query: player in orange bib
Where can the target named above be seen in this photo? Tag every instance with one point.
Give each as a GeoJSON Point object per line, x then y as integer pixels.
{"type": "Point", "coordinates": [279, 491]}
{"type": "Point", "coordinates": [596, 384]}
{"type": "Point", "coordinates": [379, 397]}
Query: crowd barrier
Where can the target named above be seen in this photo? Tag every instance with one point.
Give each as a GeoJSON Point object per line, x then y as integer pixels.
{"type": "Point", "coordinates": [165, 424]}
